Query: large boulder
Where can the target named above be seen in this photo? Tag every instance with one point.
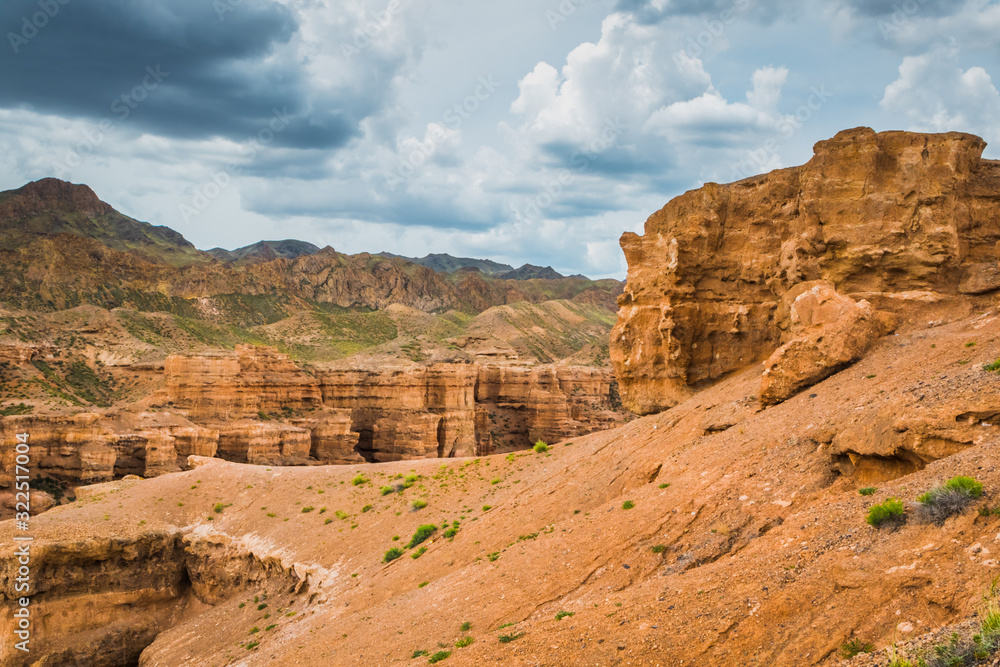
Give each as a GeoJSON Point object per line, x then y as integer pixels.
{"type": "Point", "coordinates": [833, 333]}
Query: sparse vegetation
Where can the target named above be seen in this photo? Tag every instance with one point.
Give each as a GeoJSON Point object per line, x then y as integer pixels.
{"type": "Point", "coordinates": [560, 615]}
{"type": "Point", "coordinates": [506, 639]}
{"type": "Point", "coordinates": [540, 447]}
{"type": "Point", "coordinates": [465, 627]}
{"type": "Point", "coordinates": [418, 553]}
{"type": "Point", "coordinates": [464, 641]}
{"type": "Point", "coordinates": [359, 479]}
{"type": "Point", "coordinates": [890, 512]}
{"type": "Point", "coordinates": [854, 647]}
{"type": "Point", "coordinates": [392, 554]}
{"type": "Point", "coordinates": [439, 656]}
{"type": "Point", "coordinates": [627, 505]}
{"type": "Point", "coordinates": [422, 534]}
{"type": "Point", "coordinates": [659, 548]}
{"type": "Point", "coordinates": [868, 491]}
{"type": "Point", "coordinates": [665, 485]}
{"type": "Point", "coordinates": [992, 367]}
{"type": "Point", "coordinates": [494, 556]}
{"type": "Point", "coordinates": [949, 499]}
{"type": "Point", "coordinates": [386, 490]}
{"type": "Point", "coordinates": [307, 509]}
{"type": "Point", "coordinates": [418, 504]}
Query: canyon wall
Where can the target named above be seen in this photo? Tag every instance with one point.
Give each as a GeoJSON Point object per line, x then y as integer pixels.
{"type": "Point", "coordinates": [909, 222]}
{"type": "Point", "coordinates": [257, 406]}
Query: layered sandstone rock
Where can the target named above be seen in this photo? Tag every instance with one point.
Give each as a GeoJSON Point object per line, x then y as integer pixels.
{"type": "Point", "coordinates": [264, 444]}
{"type": "Point", "coordinates": [251, 381]}
{"type": "Point", "coordinates": [909, 222]}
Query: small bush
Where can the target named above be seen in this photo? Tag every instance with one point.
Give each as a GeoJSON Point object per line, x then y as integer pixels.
{"type": "Point", "coordinates": [659, 548]}
{"type": "Point", "coordinates": [386, 490]}
{"type": "Point", "coordinates": [419, 504]}
{"type": "Point", "coordinates": [392, 554]}
{"type": "Point", "coordinates": [487, 508]}
{"type": "Point", "coordinates": [506, 639]}
{"type": "Point", "coordinates": [439, 656]}
{"type": "Point", "coordinates": [464, 641]}
{"type": "Point", "coordinates": [252, 645]}
{"type": "Point", "coordinates": [418, 553]}
{"type": "Point", "coordinates": [218, 508]}
{"type": "Point", "coordinates": [328, 522]}
{"type": "Point", "coordinates": [868, 491]}
{"type": "Point", "coordinates": [367, 508]}
{"type": "Point", "coordinates": [306, 510]}
{"type": "Point", "coordinates": [992, 367]}
{"type": "Point", "coordinates": [563, 614]}
{"type": "Point", "coordinates": [891, 512]}
{"type": "Point", "coordinates": [422, 584]}
{"type": "Point", "coordinates": [665, 485]}
{"type": "Point", "coordinates": [421, 534]}
{"type": "Point", "coordinates": [262, 606]}
{"type": "Point", "coordinates": [359, 479]}
{"type": "Point", "coordinates": [410, 480]}
{"type": "Point", "coordinates": [949, 499]}
{"type": "Point", "coordinates": [540, 447]}
{"type": "Point", "coordinates": [855, 647]}
{"type": "Point", "coordinates": [627, 505]}
{"type": "Point", "coordinates": [418, 653]}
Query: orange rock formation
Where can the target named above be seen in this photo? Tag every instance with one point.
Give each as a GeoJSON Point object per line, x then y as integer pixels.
{"type": "Point", "coordinates": [908, 222]}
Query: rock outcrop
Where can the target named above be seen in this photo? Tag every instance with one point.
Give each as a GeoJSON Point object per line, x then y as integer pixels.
{"type": "Point", "coordinates": [909, 222]}
{"type": "Point", "coordinates": [252, 381]}
{"type": "Point", "coordinates": [833, 332]}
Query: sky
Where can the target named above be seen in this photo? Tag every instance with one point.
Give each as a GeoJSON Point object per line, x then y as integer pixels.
{"type": "Point", "coordinates": [524, 131]}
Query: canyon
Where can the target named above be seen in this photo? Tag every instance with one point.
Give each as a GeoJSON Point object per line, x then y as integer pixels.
{"type": "Point", "coordinates": [800, 347]}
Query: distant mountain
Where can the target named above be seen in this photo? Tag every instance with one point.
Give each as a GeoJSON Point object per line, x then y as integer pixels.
{"type": "Point", "coordinates": [50, 206]}
{"type": "Point", "coordinates": [443, 263]}
{"type": "Point", "coordinates": [62, 247]}
{"type": "Point", "coordinates": [266, 251]}
{"type": "Point", "coordinates": [531, 272]}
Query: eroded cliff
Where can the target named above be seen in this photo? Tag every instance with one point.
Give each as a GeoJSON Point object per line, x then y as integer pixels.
{"type": "Point", "coordinates": [909, 222]}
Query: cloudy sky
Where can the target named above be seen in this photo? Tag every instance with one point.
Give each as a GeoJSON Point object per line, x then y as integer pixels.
{"type": "Point", "coordinates": [524, 130]}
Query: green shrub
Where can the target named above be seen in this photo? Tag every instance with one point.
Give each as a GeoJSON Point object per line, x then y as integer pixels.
{"type": "Point", "coordinates": [263, 416]}
{"type": "Point", "coordinates": [868, 491]}
{"type": "Point", "coordinates": [540, 447]}
{"type": "Point", "coordinates": [506, 639]}
{"type": "Point", "coordinates": [422, 584]}
{"type": "Point", "coordinates": [418, 653]}
{"type": "Point", "coordinates": [464, 641]}
{"type": "Point", "coordinates": [992, 366]}
{"type": "Point", "coordinates": [419, 504]}
{"type": "Point", "coordinates": [386, 490]}
{"type": "Point", "coordinates": [254, 630]}
{"type": "Point", "coordinates": [439, 656]}
{"type": "Point", "coordinates": [392, 554]}
{"type": "Point", "coordinates": [328, 521]}
{"type": "Point", "coordinates": [627, 505]}
{"type": "Point", "coordinates": [367, 508]}
{"type": "Point", "coordinates": [252, 645]}
{"type": "Point", "coordinates": [359, 479]}
{"type": "Point", "coordinates": [410, 480]}
{"type": "Point", "coordinates": [218, 508]}
{"type": "Point", "coordinates": [465, 627]}
{"type": "Point", "coordinates": [307, 509]}
{"type": "Point", "coordinates": [948, 499]}
{"type": "Point", "coordinates": [854, 647]}
{"type": "Point", "coordinates": [891, 511]}
{"type": "Point", "coordinates": [487, 508]}
{"type": "Point", "coordinates": [665, 485]}
{"type": "Point", "coordinates": [421, 534]}
{"type": "Point", "coordinates": [563, 614]}
{"type": "Point", "coordinates": [494, 556]}
{"type": "Point", "coordinates": [418, 553]}
{"type": "Point", "coordinates": [659, 548]}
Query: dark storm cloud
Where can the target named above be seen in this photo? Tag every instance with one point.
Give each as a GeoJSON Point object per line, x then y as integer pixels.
{"type": "Point", "coordinates": [209, 61]}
